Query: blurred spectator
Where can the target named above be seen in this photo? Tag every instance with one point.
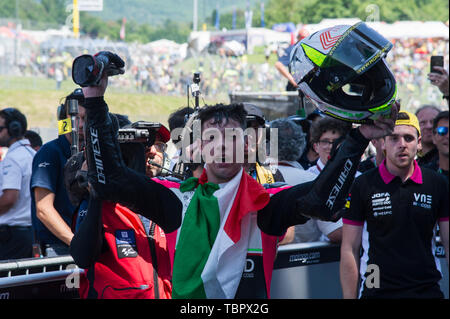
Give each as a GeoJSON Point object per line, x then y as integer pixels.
{"type": "Point", "coordinates": [326, 133]}
{"type": "Point", "coordinates": [440, 139]}
{"type": "Point", "coordinates": [59, 77]}
{"type": "Point", "coordinates": [427, 151]}
{"type": "Point", "coordinates": [177, 122]}
{"type": "Point", "coordinates": [283, 61]}
{"type": "Point", "coordinates": [291, 144]}
{"type": "Point", "coordinates": [157, 161]}
{"type": "Point", "coordinates": [440, 80]}
{"type": "Point", "coordinates": [51, 208]}
{"type": "Point", "coordinates": [309, 156]}
{"type": "Point", "coordinates": [16, 234]}
{"type": "Point", "coordinates": [253, 163]}
{"type": "Point", "coordinates": [34, 138]}
{"type": "Point", "coordinates": [373, 160]}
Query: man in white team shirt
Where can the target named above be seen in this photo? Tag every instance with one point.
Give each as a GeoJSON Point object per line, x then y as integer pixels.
{"type": "Point", "coordinates": [16, 236]}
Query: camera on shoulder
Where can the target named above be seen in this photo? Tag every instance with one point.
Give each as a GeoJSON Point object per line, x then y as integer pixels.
{"type": "Point", "coordinates": [139, 132]}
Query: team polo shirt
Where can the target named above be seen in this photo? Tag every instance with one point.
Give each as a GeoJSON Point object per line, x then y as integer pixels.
{"type": "Point", "coordinates": [398, 221]}
{"type": "Point", "coordinates": [48, 168]}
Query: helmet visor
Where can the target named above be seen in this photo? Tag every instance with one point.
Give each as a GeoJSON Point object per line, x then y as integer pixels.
{"type": "Point", "coordinates": [359, 48]}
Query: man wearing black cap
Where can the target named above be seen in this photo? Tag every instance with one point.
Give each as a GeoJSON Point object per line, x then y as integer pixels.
{"type": "Point", "coordinates": [51, 209]}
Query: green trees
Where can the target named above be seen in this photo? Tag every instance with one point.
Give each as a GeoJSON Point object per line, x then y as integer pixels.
{"type": "Point", "coordinates": [313, 11]}
{"type": "Point", "coordinates": [144, 16]}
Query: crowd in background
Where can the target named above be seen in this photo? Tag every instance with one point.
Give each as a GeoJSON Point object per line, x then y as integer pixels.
{"type": "Point", "coordinates": [168, 71]}
{"type": "Point", "coordinates": [315, 136]}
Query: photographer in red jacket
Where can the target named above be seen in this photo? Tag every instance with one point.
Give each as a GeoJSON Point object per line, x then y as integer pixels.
{"type": "Point", "coordinates": [125, 254]}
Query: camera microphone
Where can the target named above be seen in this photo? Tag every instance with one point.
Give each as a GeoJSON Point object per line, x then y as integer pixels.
{"type": "Point", "coordinates": [166, 169]}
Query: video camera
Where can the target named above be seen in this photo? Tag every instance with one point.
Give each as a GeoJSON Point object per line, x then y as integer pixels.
{"type": "Point", "coordinates": [139, 132]}
{"type": "Point", "coordinates": [88, 69]}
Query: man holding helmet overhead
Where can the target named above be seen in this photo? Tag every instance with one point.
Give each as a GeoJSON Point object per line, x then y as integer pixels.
{"type": "Point", "coordinates": [214, 199]}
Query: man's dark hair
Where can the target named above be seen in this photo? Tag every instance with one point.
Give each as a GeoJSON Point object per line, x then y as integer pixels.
{"type": "Point", "coordinates": [402, 116]}
{"type": "Point", "coordinates": [122, 119]}
{"type": "Point", "coordinates": [14, 115]}
{"type": "Point", "coordinates": [440, 116]}
{"type": "Point", "coordinates": [34, 138]}
{"type": "Point", "coordinates": [220, 112]}
{"type": "Point", "coordinates": [329, 124]}
{"type": "Point", "coordinates": [78, 95]}
{"type": "Point", "coordinates": [177, 118]}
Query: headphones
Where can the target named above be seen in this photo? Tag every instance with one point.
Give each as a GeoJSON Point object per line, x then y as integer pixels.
{"type": "Point", "coordinates": [62, 110]}
{"type": "Point", "coordinates": [15, 128]}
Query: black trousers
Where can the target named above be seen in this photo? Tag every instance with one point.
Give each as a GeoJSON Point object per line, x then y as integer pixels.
{"type": "Point", "coordinates": [15, 242]}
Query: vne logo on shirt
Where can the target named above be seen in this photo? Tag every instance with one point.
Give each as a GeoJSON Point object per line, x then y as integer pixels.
{"type": "Point", "coordinates": [422, 200]}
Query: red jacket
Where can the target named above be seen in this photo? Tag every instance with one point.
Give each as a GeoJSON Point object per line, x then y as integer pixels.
{"type": "Point", "coordinates": [133, 265]}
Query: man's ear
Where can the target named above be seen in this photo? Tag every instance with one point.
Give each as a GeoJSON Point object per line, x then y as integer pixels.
{"type": "Point", "coordinates": [383, 146]}
{"type": "Point", "coordinates": [315, 147]}
{"type": "Point", "coordinates": [419, 143]}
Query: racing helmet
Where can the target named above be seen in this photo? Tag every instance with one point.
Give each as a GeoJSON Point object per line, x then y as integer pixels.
{"type": "Point", "coordinates": [343, 71]}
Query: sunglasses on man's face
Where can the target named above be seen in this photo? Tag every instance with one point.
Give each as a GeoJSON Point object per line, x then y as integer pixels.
{"type": "Point", "coordinates": [442, 130]}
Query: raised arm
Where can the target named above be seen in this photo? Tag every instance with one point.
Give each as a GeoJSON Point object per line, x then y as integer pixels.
{"type": "Point", "coordinates": [322, 198]}
{"type": "Point", "coordinates": [325, 197]}
{"type": "Point", "coordinates": [111, 179]}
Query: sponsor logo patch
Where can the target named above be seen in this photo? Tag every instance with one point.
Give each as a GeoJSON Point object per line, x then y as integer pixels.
{"type": "Point", "coordinates": [126, 243]}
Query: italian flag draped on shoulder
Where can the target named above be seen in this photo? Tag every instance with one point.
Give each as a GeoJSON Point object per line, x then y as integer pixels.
{"type": "Point", "coordinates": [214, 237]}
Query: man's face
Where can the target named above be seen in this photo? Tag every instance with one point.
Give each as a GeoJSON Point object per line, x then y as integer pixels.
{"type": "Point", "coordinates": [81, 120]}
{"type": "Point", "coordinates": [4, 135]}
{"type": "Point", "coordinates": [223, 153]}
{"type": "Point", "coordinates": [155, 154]}
{"type": "Point", "coordinates": [401, 146]}
{"type": "Point", "coordinates": [425, 118]}
{"type": "Point", "coordinates": [325, 144]}
{"type": "Point", "coordinates": [441, 141]}
{"type": "Point", "coordinates": [252, 140]}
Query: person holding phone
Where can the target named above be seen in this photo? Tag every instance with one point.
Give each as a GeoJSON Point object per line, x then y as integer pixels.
{"type": "Point", "coordinates": [439, 76]}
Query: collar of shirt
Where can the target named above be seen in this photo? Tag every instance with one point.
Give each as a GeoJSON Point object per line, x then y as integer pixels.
{"type": "Point", "coordinates": [22, 142]}
{"type": "Point", "coordinates": [65, 145]}
{"type": "Point", "coordinates": [387, 177]}
{"type": "Point", "coordinates": [291, 164]}
{"type": "Point", "coordinates": [320, 165]}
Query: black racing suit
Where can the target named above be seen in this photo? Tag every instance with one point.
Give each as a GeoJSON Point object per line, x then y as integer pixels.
{"type": "Point", "coordinates": [111, 180]}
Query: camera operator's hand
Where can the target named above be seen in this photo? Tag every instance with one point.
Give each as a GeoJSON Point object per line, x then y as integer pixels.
{"type": "Point", "coordinates": [381, 127]}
